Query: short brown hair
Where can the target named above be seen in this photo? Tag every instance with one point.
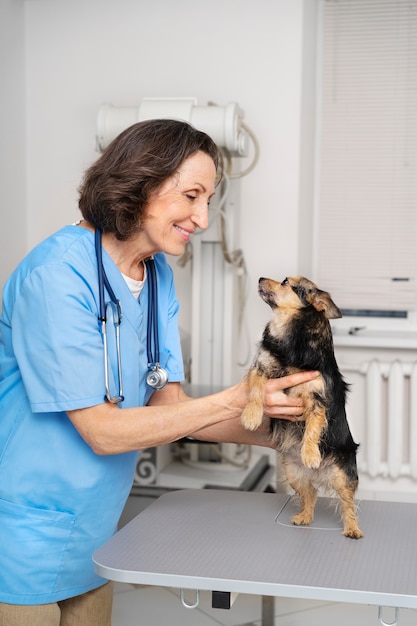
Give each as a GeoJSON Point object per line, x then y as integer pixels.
{"type": "Point", "coordinates": [116, 188]}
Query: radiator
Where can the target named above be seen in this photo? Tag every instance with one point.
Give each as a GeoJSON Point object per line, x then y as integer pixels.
{"type": "Point", "coordinates": [390, 446]}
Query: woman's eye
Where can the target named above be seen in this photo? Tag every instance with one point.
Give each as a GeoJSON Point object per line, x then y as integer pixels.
{"type": "Point", "coordinates": [190, 196]}
{"type": "Point", "coordinates": [285, 281]}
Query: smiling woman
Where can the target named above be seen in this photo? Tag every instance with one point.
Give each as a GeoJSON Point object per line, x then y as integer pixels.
{"type": "Point", "coordinates": [117, 187]}
{"type": "Point", "coordinates": [61, 398]}
{"type": "Point", "coordinates": [169, 217]}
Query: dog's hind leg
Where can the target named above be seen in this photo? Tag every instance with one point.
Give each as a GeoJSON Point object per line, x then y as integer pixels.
{"type": "Point", "coordinates": [298, 480]}
{"type": "Point", "coordinates": [252, 414]}
{"type": "Point", "coordinates": [345, 489]}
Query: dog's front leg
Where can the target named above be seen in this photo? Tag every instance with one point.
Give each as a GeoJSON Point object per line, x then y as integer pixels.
{"type": "Point", "coordinates": [315, 416]}
{"type": "Point", "coordinates": [253, 412]}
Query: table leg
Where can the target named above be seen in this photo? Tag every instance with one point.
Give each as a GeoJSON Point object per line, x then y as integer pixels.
{"type": "Point", "coordinates": [268, 611]}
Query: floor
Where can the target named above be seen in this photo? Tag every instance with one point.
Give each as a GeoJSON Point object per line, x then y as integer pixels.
{"type": "Point", "coordinates": [136, 605]}
{"type": "Point", "coordinates": [152, 606]}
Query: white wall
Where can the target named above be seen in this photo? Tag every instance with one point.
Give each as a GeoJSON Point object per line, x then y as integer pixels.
{"type": "Point", "coordinates": [82, 53]}
{"type": "Point", "coordinates": [13, 239]}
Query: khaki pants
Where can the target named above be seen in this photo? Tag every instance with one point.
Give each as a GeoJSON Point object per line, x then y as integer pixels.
{"type": "Point", "coordinates": [90, 609]}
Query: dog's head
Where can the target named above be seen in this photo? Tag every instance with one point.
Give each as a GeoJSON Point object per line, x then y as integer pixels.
{"type": "Point", "coordinates": [297, 292]}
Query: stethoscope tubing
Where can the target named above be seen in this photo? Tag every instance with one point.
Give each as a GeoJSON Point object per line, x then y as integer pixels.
{"type": "Point", "coordinates": [152, 327]}
{"type": "Point", "coordinates": [117, 318]}
{"type": "Point", "coordinates": [157, 376]}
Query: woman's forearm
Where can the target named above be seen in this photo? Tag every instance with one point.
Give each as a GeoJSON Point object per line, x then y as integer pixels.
{"type": "Point", "coordinates": [110, 430]}
{"type": "Point", "coordinates": [171, 415]}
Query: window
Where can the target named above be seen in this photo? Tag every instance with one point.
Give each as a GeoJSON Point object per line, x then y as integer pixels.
{"type": "Point", "coordinates": [366, 252]}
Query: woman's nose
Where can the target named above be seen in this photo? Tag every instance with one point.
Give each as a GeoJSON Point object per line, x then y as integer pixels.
{"type": "Point", "coordinates": [200, 217]}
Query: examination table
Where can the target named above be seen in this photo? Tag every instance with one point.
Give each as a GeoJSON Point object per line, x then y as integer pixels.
{"type": "Point", "coordinates": [232, 542]}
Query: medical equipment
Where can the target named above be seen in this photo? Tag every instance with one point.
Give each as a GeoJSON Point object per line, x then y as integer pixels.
{"type": "Point", "coordinates": [157, 376]}
{"type": "Point", "coordinates": [224, 124]}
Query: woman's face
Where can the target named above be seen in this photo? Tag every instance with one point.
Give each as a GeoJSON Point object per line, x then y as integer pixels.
{"type": "Point", "coordinates": [179, 206]}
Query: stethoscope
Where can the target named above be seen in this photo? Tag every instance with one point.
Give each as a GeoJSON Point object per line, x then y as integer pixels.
{"type": "Point", "coordinates": [157, 376]}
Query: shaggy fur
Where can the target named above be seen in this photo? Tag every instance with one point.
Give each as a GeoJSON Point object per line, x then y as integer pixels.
{"type": "Point", "coordinates": [318, 452]}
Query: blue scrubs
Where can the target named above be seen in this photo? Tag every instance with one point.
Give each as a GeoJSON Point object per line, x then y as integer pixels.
{"type": "Point", "coordinates": [59, 501]}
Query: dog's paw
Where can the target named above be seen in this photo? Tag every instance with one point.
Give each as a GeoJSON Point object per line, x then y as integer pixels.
{"type": "Point", "coordinates": [302, 519]}
{"type": "Point", "coordinates": [353, 532]}
{"type": "Point", "coordinates": [250, 424]}
{"type": "Point", "coordinates": [251, 420]}
{"type": "Point", "coordinates": [310, 456]}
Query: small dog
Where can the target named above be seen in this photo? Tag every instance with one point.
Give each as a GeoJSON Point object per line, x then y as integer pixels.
{"type": "Point", "coordinates": [320, 451]}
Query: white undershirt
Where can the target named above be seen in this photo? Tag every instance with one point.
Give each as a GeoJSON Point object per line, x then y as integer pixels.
{"type": "Point", "coordinates": [135, 286]}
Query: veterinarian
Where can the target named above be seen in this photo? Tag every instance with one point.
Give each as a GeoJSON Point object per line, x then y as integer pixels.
{"type": "Point", "coordinates": [90, 372]}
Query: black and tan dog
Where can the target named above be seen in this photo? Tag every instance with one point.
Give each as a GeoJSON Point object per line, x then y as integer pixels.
{"type": "Point", "coordinates": [318, 452]}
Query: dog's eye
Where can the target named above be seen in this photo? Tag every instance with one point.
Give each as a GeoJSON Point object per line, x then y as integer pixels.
{"type": "Point", "coordinates": [285, 281]}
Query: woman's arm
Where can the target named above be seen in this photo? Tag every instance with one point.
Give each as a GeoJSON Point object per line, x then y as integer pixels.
{"type": "Point", "coordinates": [171, 415]}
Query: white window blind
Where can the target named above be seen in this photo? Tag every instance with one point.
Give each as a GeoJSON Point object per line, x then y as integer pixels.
{"type": "Point", "coordinates": [367, 200]}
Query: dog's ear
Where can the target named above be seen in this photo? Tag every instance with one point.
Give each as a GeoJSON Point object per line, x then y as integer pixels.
{"type": "Point", "coordinates": [322, 301]}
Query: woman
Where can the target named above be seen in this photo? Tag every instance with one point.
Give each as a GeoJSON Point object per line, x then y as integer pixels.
{"type": "Point", "coordinates": [67, 453]}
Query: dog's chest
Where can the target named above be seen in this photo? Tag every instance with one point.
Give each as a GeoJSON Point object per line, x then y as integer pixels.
{"type": "Point", "coordinates": [287, 436]}
{"type": "Point", "coordinates": [270, 364]}
{"type": "Point", "coordinates": [304, 342]}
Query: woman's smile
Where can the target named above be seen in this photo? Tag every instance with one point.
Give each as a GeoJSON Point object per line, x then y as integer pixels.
{"type": "Point", "coordinates": [184, 233]}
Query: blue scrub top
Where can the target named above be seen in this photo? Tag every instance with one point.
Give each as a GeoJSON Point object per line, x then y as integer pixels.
{"type": "Point", "coordinates": [59, 501]}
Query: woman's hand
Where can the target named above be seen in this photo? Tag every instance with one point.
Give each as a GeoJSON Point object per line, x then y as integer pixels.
{"type": "Point", "coordinates": [277, 403]}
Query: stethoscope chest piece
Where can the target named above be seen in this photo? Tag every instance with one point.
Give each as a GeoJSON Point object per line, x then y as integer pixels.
{"type": "Point", "coordinates": [157, 378]}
